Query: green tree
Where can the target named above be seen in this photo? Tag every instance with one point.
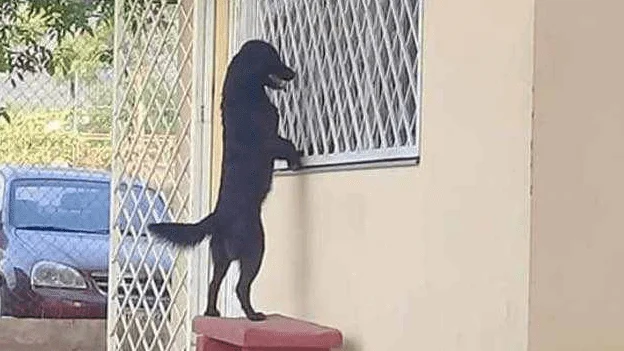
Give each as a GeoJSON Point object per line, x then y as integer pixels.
{"type": "Point", "coordinates": [84, 55]}
{"type": "Point", "coordinates": [33, 34]}
{"type": "Point", "coordinates": [64, 38]}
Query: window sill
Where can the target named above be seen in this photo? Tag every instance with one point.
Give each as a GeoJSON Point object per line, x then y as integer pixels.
{"type": "Point", "coordinates": [281, 170]}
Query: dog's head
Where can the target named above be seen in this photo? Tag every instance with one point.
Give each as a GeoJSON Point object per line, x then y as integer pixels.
{"type": "Point", "coordinates": [264, 64]}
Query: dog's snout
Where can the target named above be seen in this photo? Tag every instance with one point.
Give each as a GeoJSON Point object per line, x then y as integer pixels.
{"type": "Point", "coordinates": [289, 74]}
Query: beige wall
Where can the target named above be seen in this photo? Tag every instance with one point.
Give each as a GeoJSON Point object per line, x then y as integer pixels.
{"type": "Point", "coordinates": [433, 257]}
{"type": "Point", "coordinates": [577, 287]}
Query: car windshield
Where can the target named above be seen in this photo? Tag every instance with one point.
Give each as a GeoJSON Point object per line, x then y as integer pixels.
{"type": "Point", "coordinates": [60, 204]}
{"type": "Point", "coordinates": [78, 205]}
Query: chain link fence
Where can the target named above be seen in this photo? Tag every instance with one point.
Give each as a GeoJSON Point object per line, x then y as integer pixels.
{"type": "Point", "coordinates": [55, 191]}
{"type": "Point", "coordinates": [55, 196]}
{"type": "Point", "coordinates": [57, 121]}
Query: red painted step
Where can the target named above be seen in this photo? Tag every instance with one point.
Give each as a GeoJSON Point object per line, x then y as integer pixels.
{"type": "Point", "coordinates": [277, 332]}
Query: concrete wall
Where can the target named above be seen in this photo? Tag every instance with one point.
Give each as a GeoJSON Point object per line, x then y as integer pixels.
{"type": "Point", "coordinates": [428, 257]}
{"type": "Point", "coordinates": [577, 286]}
{"type": "Point", "coordinates": [52, 335]}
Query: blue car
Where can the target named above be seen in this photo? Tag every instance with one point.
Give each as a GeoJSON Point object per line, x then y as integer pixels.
{"type": "Point", "coordinates": [54, 243]}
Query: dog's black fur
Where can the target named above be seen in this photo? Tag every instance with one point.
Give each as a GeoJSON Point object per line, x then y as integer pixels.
{"type": "Point", "coordinates": [251, 144]}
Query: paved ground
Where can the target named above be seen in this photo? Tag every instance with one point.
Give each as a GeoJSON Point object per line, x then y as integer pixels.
{"type": "Point", "coordinates": [52, 335]}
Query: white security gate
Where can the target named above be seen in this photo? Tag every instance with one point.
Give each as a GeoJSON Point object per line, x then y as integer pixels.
{"type": "Point", "coordinates": [159, 140]}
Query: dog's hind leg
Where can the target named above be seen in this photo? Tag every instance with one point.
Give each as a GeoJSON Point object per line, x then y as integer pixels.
{"type": "Point", "coordinates": [250, 264]}
{"type": "Point", "coordinates": [221, 265]}
{"type": "Point", "coordinates": [249, 268]}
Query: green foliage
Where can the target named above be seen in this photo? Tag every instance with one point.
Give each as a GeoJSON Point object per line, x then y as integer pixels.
{"type": "Point", "coordinates": [95, 120]}
{"type": "Point", "coordinates": [32, 30]}
{"type": "Point", "coordinates": [52, 137]}
{"type": "Point", "coordinates": [85, 55]}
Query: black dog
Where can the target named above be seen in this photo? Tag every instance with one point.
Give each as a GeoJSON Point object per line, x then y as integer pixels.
{"type": "Point", "coordinates": [251, 144]}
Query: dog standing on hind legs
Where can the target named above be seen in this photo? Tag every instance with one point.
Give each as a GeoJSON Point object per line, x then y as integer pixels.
{"type": "Point", "coordinates": [251, 144]}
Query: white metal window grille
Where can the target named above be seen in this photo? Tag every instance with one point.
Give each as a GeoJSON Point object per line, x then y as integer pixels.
{"type": "Point", "coordinates": [357, 95]}
{"type": "Point", "coordinates": [155, 171]}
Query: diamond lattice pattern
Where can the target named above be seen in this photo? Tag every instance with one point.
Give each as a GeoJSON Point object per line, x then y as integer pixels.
{"type": "Point", "coordinates": [357, 95]}
{"type": "Point", "coordinates": [148, 292]}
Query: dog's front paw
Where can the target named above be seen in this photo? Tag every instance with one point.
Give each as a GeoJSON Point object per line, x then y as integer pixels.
{"type": "Point", "coordinates": [294, 163]}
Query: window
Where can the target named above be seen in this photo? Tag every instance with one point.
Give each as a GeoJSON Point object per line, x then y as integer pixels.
{"type": "Point", "coordinates": [80, 205]}
{"type": "Point", "coordinates": [357, 95]}
{"type": "Point", "coordinates": [72, 204]}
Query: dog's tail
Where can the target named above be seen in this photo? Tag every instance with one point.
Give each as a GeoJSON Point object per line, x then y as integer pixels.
{"type": "Point", "coordinates": [184, 234]}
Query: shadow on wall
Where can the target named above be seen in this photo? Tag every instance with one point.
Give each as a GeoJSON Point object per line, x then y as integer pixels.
{"type": "Point", "coordinates": [351, 345]}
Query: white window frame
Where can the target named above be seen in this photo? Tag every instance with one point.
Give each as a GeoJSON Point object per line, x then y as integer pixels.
{"type": "Point", "coordinates": [245, 18]}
